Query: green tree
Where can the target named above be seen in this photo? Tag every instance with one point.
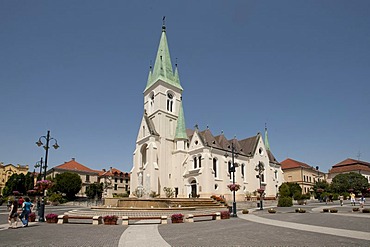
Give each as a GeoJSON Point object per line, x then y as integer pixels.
{"type": "Point", "coordinates": [68, 183]}
{"type": "Point", "coordinates": [16, 182]}
{"type": "Point", "coordinates": [284, 190]}
{"type": "Point", "coordinates": [94, 190]}
{"type": "Point", "coordinates": [343, 182]}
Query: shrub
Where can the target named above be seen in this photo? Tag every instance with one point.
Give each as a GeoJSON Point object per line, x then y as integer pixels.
{"type": "Point", "coordinates": [285, 202]}
{"type": "Point", "coordinates": [333, 210]}
{"type": "Point", "coordinates": [245, 211]}
{"type": "Point", "coordinates": [55, 197]}
{"type": "Point", "coordinates": [325, 210]}
{"type": "Point", "coordinates": [366, 210]}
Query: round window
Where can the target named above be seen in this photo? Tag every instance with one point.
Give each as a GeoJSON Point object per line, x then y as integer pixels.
{"type": "Point", "coordinates": [260, 151]}
{"type": "Point", "coordinates": [216, 186]}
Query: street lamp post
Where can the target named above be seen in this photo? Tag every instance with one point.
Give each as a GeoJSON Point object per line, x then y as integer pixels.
{"type": "Point", "coordinates": [37, 165]}
{"type": "Point", "coordinates": [260, 168]}
{"type": "Point", "coordinates": [46, 147]}
{"type": "Point", "coordinates": [232, 169]}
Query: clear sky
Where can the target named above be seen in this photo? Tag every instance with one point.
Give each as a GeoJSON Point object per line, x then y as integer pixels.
{"type": "Point", "coordinates": [79, 68]}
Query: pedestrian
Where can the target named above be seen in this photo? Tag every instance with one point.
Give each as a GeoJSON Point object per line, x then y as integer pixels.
{"type": "Point", "coordinates": [20, 202]}
{"type": "Point", "coordinates": [362, 201]}
{"type": "Point", "coordinates": [341, 198]}
{"type": "Point", "coordinates": [27, 206]}
{"type": "Point", "coordinates": [353, 199]}
{"type": "Point", "coordinates": [13, 214]}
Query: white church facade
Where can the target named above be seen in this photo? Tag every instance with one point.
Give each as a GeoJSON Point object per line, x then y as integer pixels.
{"type": "Point", "coordinates": [190, 161]}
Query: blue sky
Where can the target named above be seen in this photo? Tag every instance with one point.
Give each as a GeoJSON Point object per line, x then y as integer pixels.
{"type": "Point", "coordinates": [79, 68]}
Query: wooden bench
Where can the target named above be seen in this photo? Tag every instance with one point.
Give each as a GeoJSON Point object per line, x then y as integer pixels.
{"type": "Point", "coordinates": [125, 219]}
{"type": "Point", "coordinates": [190, 217]}
{"type": "Point", "coordinates": [96, 220]}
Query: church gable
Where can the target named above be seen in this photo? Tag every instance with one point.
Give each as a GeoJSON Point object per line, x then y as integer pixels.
{"type": "Point", "coordinates": [147, 128]}
{"type": "Point", "coordinates": [196, 141]}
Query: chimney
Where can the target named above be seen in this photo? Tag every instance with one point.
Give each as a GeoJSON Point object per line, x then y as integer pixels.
{"type": "Point", "coordinates": [73, 159]}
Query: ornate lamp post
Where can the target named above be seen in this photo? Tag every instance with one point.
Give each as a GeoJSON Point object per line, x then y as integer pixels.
{"type": "Point", "coordinates": [37, 165]}
{"type": "Point", "coordinates": [260, 168]}
{"type": "Point", "coordinates": [46, 147]}
{"type": "Point", "coordinates": [232, 169]}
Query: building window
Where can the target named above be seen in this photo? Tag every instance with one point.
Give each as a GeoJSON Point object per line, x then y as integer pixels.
{"type": "Point", "coordinates": [87, 178]}
{"type": "Point", "coordinates": [200, 161]}
{"type": "Point", "coordinates": [169, 102]}
{"type": "Point", "coordinates": [195, 162]}
{"type": "Point", "coordinates": [215, 166]}
{"type": "Point", "coordinates": [126, 181]}
{"type": "Point", "coordinates": [121, 180]}
{"type": "Point", "coordinates": [115, 180]}
{"type": "Point", "coordinates": [115, 187]}
{"type": "Point", "coordinates": [243, 167]}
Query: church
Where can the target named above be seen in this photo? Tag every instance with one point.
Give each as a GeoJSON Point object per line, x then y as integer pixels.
{"type": "Point", "coordinates": [193, 162]}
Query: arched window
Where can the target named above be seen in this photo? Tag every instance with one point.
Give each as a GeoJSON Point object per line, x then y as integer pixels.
{"type": "Point", "coordinates": [151, 100]}
{"type": "Point", "coordinates": [195, 162]}
{"type": "Point", "coordinates": [143, 152]}
{"type": "Point", "coordinates": [243, 167]}
{"type": "Point", "coordinates": [169, 102]}
{"type": "Point", "coordinates": [200, 161]}
{"type": "Point", "coordinates": [215, 166]}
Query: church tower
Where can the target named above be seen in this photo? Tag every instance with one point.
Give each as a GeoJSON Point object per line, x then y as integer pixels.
{"type": "Point", "coordinates": [162, 129]}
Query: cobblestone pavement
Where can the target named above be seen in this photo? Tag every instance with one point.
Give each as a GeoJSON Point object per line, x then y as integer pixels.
{"type": "Point", "coordinates": [259, 228]}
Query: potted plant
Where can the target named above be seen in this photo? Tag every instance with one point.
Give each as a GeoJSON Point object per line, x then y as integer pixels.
{"type": "Point", "coordinates": [271, 210]}
{"type": "Point", "coordinates": [366, 210]}
{"type": "Point", "coordinates": [225, 215]}
{"type": "Point", "coordinates": [333, 210]}
{"type": "Point", "coordinates": [355, 209]}
{"type": "Point", "coordinates": [245, 211]}
{"type": "Point", "coordinates": [300, 210]}
{"type": "Point", "coordinates": [325, 210]}
{"type": "Point", "coordinates": [233, 187]}
{"type": "Point", "coordinates": [32, 217]}
{"type": "Point", "coordinates": [177, 218]}
{"type": "Point", "coordinates": [110, 219]}
{"type": "Point", "coordinates": [51, 218]}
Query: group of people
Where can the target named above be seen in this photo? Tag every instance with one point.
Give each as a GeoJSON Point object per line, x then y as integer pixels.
{"type": "Point", "coordinates": [26, 208]}
{"type": "Point", "coordinates": [353, 200]}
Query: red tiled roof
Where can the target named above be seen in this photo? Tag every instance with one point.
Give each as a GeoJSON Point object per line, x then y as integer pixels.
{"type": "Point", "coordinates": [74, 166]}
{"type": "Point", "coordinates": [290, 164]}
{"type": "Point", "coordinates": [111, 172]}
{"type": "Point", "coordinates": [351, 168]}
{"type": "Point", "coordinates": [349, 161]}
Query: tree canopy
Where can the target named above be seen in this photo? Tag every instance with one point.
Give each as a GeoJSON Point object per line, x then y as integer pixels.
{"type": "Point", "coordinates": [68, 183]}
{"type": "Point", "coordinates": [349, 181]}
{"type": "Point", "coordinates": [18, 182]}
{"type": "Point", "coordinates": [94, 190]}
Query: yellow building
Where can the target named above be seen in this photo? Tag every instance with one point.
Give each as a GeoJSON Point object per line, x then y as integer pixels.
{"type": "Point", "coordinates": [301, 173]}
{"type": "Point", "coordinates": [6, 171]}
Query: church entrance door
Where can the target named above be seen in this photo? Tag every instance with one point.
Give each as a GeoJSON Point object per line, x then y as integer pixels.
{"type": "Point", "coordinates": [193, 188]}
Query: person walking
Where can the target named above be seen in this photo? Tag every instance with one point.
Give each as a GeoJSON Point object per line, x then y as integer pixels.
{"type": "Point", "coordinates": [362, 201]}
{"type": "Point", "coordinates": [341, 198]}
{"type": "Point", "coordinates": [26, 210]}
{"type": "Point", "coordinates": [353, 199]}
{"type": "Point", "coordinates": [13, 214]}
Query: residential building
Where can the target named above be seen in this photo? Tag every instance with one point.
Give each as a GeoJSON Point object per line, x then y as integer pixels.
{"type": "Point", "coordinates": [192, 162]}
{"type": "Point", "coordinates": [350, 165]}
{"type": "Point", "coordinates": [6, 171]}
{"type": "Point", "coordinates": [114, 181]}
{"type": "Point", "coordinates": [301, 173]}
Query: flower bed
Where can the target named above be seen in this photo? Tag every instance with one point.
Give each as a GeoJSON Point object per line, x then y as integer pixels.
{"type": "Point", "coordinates": [110, 219]}
{"type": "Point", "coordinates": [177, 218]}
{"type": "Point", "coordinates": [51, 218]}
{"type": "Point", "coordinates": [225, 215]}
{"type": "Point", "coordinates": [32, 217]}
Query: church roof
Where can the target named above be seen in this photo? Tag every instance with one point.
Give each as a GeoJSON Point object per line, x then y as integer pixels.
{"type": "Point", "coordinates": [349, 161]}
{"type": "Point", "coordinates": [163, 67]}
{"type": "Point", "coordinates": [209, 139]}
{"type": "Point", "coordinates": [180, 128]}
{"type": "Point", "coordinates": [249, 145]}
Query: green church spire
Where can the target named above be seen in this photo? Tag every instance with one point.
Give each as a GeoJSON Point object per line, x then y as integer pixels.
{"type": "Point", "coordinates": [267, 145]}
{"type": "Point", "coordinates": [163, 67]}
{"type": "Point", "coordinates": [180, 128]}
